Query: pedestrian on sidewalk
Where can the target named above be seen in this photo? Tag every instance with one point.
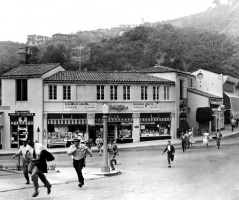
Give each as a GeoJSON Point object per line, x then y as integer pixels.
{"type": "Point", "coordinates": [79, 152]}
{"type": "Point", "coordinates": [206, 137]}
{"type": "Point", "coordinates": [99, 143]}
{"type": "Point", "coordinates": [170, 152]}
{"type": "Point", "coordinates": [218, 138]}
{"type": "Point", "coordinates": [38, 165]}
{"type": "Point", "coordinates": [113, 151]}
{"type": "Point", "coordinates": [25, 159]}
{"type": "Point", "coordinates": [190, 135]}
{"type": "Point", "coordinates": [183, 141]}
{"type": "Point", "coordinates": [233, 123]}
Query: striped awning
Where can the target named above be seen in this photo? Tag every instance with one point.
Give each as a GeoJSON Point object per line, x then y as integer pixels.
{"type": "Point", "coordinates": [66, 121]}
{"type": "Point", "coordinates": [115, 120]}
{"type": "Point", "coordinates": [155, 119]}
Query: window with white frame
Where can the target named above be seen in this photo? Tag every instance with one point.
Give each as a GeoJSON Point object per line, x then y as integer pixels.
{"type": "Point", "coordinates": [66, 92]}
{"type": "Point", "coordinates": [52, 92]}
{"type": "Point", "coordinates": [155, 92]}
{"type": "Point", "coordinates": [166, 93]}
{"type": "Point", "coordinates": [100, 92]}
{"type": "Point", "coordinates": [113, 92]}
{"type": "Point", "coordinates": [144, 92]}
{"type": "Point", "coordinates": [21, 89]}
{"type": "Point", "coordinates": [126, 92]}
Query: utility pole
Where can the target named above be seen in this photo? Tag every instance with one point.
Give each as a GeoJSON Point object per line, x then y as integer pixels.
{"type": "Point", "coordinates": [27, 54]}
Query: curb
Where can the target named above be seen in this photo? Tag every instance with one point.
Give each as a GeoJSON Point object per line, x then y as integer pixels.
{"type": "Point", "coordinates": [111, 173]}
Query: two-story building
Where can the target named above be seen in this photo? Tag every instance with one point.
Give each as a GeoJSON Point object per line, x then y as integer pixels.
{"type": "Point", "coordinates": [43, 102]}
{"type": "Point", "coordinates": [22, 103]}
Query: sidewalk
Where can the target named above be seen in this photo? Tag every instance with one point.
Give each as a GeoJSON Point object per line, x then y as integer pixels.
{"type": "Point", "coordinates": [225, 133]}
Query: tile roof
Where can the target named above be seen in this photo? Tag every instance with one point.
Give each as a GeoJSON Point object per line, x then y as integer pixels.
{"type": "Point", "coordinates": [76, 76]}
{"type": "Point", "coordinates": [205, 94]}
{"type": "Point", "coordinates": [162, 69]}
{"type": "Point", "coordinates": [30, 70]}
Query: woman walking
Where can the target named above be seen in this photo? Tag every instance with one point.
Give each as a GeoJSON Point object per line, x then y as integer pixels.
{"type": "Point", "coordinates": [206, 137]}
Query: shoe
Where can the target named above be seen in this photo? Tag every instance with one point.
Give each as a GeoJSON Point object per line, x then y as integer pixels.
{"type": "Point", "coordinates": [49, 190]}
{"type": "Point", "coordinates": [27, 183]}
{"type": "Point", "coordinates": [113, 169]}
{"type": "Point", "coordinates": [35, 193]}
{"type": "Point", "coordinates": [80, 185]}
{"type": "Point", "coordinates": [169, 166]}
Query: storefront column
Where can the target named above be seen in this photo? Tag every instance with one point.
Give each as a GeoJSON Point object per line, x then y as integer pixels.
{"type": "Point", "coordinates": [173, 131]}
{"type": "Point", "coordinates": [136, 127]}
{"type": "Point", "coordinates": [44, 131]}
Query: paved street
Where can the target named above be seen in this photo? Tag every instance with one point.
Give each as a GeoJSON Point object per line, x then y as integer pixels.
{"type": "Point", "coordinates": [199, 173]}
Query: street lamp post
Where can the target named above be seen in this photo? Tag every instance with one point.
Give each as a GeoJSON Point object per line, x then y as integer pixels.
{"type": "Point", "coordinates": [219, 117]}
{"type": "Point", "coordinates": [105, 167]}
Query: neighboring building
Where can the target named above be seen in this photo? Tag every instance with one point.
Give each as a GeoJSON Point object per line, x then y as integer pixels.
{"type": "Point", "coordinates": [66, 39]}
{"type": "Point", "coordinates": [183, 80]}
{"type": "Point", "coordinates": [37, 40]}
{"type": "Point", "coordinates": [22, 103]}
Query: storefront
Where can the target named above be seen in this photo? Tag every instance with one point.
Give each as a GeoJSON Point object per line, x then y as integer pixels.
{"type": "Point", "coordinates": [154, 126]}
{"type": "Point", "coordinates": [64, 127]}
{"type": "Point", "coordinates": [21, 126]}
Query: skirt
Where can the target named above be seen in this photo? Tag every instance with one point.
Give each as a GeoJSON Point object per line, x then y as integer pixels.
{"type": "Point", "coordinates": [205, 141]}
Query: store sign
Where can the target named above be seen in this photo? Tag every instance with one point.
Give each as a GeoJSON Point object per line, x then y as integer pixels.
{"type": "Point", "coordinates": [145, 106]}
{"type": "Point", "coordinates": [118, 107]}
{"type": "Point", "coordinates": [80, 106]}
{"type": "Point", "coordinates": [21, 114]}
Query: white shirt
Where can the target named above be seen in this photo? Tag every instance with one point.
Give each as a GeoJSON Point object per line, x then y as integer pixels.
{"type": "Point", "coordinates": [22, 150]}
{"type": "Point", "coordinates": [79, 152]}
{"type": "Point", "coordinates": [169, 147]}
{"type": "Point", "coordinates": [38, 148]}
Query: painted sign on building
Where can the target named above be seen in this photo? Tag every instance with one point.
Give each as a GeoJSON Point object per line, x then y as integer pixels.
{"type": "Point", "coordinates": [80, 106]}
{"type": "Point", "coordinates": [145, 106]}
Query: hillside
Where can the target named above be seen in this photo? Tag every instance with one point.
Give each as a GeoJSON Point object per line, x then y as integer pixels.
{"type": "Point", "coordinates": [222, 19]}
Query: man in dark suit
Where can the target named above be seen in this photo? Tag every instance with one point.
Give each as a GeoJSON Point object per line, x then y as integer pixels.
{"type": "Point", "coordinates": [170, 150]}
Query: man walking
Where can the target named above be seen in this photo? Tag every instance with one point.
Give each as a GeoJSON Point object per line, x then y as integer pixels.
{"type": "Point", "coordinates": [25, 159]}
{"type": "Point", "coordinates": [99, 143]}
{"type": "Point", "coordinates": [113, 150]}
{"type": "Point", "coordinates": [79, 152]}
{"type": "Point", "coordinates": [38, 165]}
{"type": "Point", "coordinates": [183, 141]}
{"type": "Point", "coordinates": [170, 150]}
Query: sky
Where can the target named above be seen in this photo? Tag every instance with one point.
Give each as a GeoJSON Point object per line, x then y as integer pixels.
{"type": "Point", "coordinates": [19, 18]}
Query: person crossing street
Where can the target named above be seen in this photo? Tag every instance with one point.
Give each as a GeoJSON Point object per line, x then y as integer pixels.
{"type": "Point", "coordinates": [218, 138]}
{"type": "Point", "coordinates": [25, 159]}
{"type": "Point", "coordinates": [113, 151]}
{"type": "Point", "coordinates": [171, 151]}
{"type": "Point", "coordinates": [79, 152]}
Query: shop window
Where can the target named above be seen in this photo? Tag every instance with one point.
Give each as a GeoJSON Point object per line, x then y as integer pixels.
{"type": "Point", "coordinates": [155, 129]}
{"type": "Point", "coordinates": [113, 92]}
{"type": "Point", "coordinates": [166, 92]}
{"type": "Point", "coordinates": [52, 92]}
{"type": "Point", "coordinates": [21, 89]}
{"type": "Point", "coordinates": [144, 93]}
{"type": "Point", "coordinates": [66, 92]}
{"type": "Point", "coordinates": [100, 92]}
{"type": "Point", "coordinates": [125, 131]}
{"type": "Point", "coordinates": [126, 92]}
{"type": "Point", "coordinates": [155, 92]}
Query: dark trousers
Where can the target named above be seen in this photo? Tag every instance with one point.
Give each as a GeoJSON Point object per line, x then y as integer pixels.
{"type": "Point", "coordinates": [78, 165]}
{"type": "Point", "coordinates": [112, 160]}
{"type": "Point", "coordinates": [38, 173]}
{"type": "Point", "coordinates": [184, 145]}
{"type": "Point", "coordinates": [170, 157]}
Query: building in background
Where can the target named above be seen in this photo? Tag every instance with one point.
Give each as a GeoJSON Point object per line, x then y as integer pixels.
{"type": "Point", "coordinates": [34, 40]}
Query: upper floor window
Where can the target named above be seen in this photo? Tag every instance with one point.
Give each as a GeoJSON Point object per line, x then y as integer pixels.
{"type": "Point", "coordinates": [66, 92]}
{"type": "Point", "coordinates": [166, 92]}
{"type": "Point", "coordinates": [52, 92]}
{"type": "Point", "coordinates": [126, 92]}
{"type": "Point", "coordinates": [155, 92]}
{"type": "Point", "coordinates": [21, 89]}
{"type": "Point", "coordinates": [100, 92]}
{"type": "Point", "coordinates": [181, 88]}
{"type": "Point", "coordinates": [144, 93]}
{"type": "Point", "coordinates": [113, 92]}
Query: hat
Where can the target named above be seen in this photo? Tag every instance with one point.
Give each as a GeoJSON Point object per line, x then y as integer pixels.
{"type": "Point", "coordinates": [23, 139]}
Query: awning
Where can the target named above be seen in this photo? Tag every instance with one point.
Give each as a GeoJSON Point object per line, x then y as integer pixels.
{"type": "Point", "coordinates": [231, 102]}
{"type": "Point", "coordinates": [66, 121]}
